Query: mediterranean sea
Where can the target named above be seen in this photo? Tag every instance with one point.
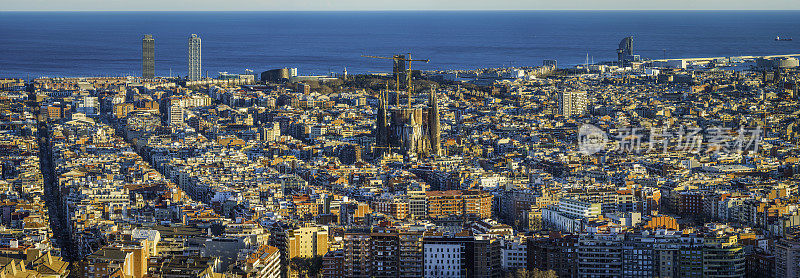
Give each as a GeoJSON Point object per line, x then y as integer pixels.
{"type": "Point", "coordinates": [70, 44]}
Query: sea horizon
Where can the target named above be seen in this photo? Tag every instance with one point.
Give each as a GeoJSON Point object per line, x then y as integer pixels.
{"type": "Point", "coordinates": [410, 10]}
{"type": "Point", "coordinates": [108, 43]}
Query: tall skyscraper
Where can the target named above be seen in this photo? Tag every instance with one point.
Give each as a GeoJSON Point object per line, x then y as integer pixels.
{"type": "Point", "coordinates": [434, 131]}
{"type": "Point", "coordinates": [194, 58]}
{"type": "Point", "coordinates": [571, 103]}
{"type": "Point", "coordinates": [148, 57]}
{"type": "Point", "coordinates": [625, 52]}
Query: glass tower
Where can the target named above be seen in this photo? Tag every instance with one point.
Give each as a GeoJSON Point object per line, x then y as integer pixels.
{"type": "Point", "coordinates": [194, 58]}
{"type": "Point", "coordinates": [148, 57]}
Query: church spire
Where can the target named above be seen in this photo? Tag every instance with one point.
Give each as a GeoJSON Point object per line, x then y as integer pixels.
{"type": "Point", "coordinates": [382, 126]}
{"type": "Point", "coordinates": [434, 130]}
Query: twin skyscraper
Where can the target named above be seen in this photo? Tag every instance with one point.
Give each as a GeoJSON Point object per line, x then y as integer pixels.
{"type": "Point", "coordinates": [194, 58]}
{"type": "Point", "coordinates": [148, 57]}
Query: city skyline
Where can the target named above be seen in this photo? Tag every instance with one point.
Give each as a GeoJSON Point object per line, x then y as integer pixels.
{"type": "Point", "coordinates": [519, 144]}
{"type": "Point", "coordinates": [116, 37]}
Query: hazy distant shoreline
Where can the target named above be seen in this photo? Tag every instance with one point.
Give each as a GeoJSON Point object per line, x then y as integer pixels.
{"type": "Point", "coordinates": [318, 42]}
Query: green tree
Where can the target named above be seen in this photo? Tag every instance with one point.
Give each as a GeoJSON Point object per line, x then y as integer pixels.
{"type": "Point", "coordinates": [306, 267]}
{"type": "Point", "coordinates": [324, 89]}
{"type": "Point", "coordinates": [334, 83]}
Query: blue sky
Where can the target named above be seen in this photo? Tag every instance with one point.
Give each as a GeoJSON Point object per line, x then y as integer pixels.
{"type": "Point", "coordinates": [350, 5]}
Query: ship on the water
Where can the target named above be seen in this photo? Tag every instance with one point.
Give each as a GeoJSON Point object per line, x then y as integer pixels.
{"type": "Point", "coordinates": [779, 39]}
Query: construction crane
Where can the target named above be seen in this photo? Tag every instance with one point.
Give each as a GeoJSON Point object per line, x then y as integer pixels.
{"type": "Point", "coordinates": [401, 64]}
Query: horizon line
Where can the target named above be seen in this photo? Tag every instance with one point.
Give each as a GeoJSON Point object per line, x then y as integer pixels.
{"type": "Point", "coordinates": [437, 10]}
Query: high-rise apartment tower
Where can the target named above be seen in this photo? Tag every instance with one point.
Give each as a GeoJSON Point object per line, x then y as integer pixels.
{"type": "Point", "coordinates": [194, 58]}
{"type": "Point", "coordinates": [572, 103]}
{"type": "Point", "coordinates": [148, 57]}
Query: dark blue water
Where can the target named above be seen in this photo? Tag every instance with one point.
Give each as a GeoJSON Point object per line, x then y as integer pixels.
{"type": "Point", "coordinates": [36, 44]}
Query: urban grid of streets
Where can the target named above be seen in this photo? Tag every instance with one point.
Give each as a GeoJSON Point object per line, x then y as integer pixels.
{"type": "Point", "coordinates": [625, 169]}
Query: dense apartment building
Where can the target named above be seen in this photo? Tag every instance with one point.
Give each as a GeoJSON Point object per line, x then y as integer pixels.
{"type": "Point", "coordinates": [371, 254]}
{"type": "Point", "coordinates": [461, 255]}
{"type": "Point", "coordinates": [307, 241]}
{"type": "Point", "coordinates": [787, 257]}
{"type": "Point", "coordinates": [723, 256]}
{"type": "Point", "coordinates": [457, 202]}
{"type": "Point", "coordinates": [644, 254]}
{"type": "Point", "coordinates": [201, 178]}
{"type": "Point", "coordinates": [570, 215]}
{"type": "Point", "coordinates": [572, 103]}
{"type": "Point", "coordinates": [554, 252]}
